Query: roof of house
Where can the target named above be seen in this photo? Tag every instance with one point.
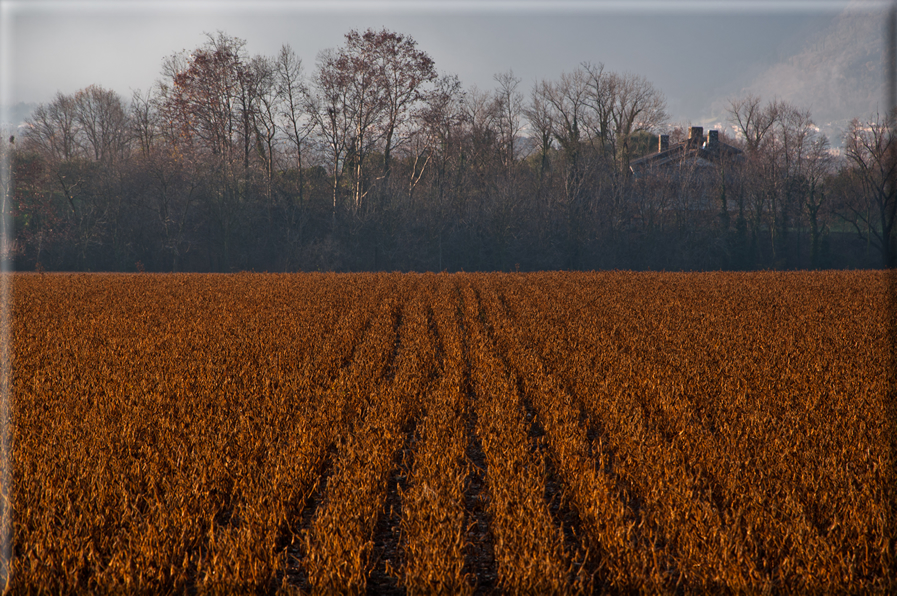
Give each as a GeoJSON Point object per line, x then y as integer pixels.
{"type": "Point", "coordinates": [700, 150]}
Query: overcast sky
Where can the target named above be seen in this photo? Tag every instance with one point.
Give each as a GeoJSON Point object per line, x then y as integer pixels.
{"type": "Point", "coordinates": [686, 49]}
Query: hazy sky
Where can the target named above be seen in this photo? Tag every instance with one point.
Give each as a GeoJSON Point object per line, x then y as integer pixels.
{"type": "Point", "coordinates": [684, 48]}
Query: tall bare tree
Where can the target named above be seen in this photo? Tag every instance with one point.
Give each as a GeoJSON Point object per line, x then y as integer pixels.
{"type": "Point", "coordinates": [52, 128]}
{"type": "Point", "coordinates": [509, 105]}
{"type": "Point", "coordinates": [872, 151]}
{"type": "Point", "coordinates": [293, 92]}
{"type": "Point", "coordinates": [264, 115]}
{"type": "Point", "coordinates": [753, 120]}
{"type": "Point", "coordinates": [84, 141]}
{"type": "Point", "coordinates": [568, 101]}
{"type": "Point", "coordinates": [405, 72]}
{"type": "Point", "coordinates": [206, 97]}
{"type": "Point", "coordinates": [541, 121]}
{"type": "Point", "coordinates": [757, 126]}
{"type": "Point", "coordinates": [329, 104]}
{"type": "Point", "coordinates": [440, 118]}
{"type": "Point", "coordinates": [102, 118]}
{"type": "Point", "coordinates": [637, 106]}
{"type": "Point", "coordinates": [351, 106]}
{"type": "Point", "coordinates": [210, 102]}
{"type": "Point", "coordinates": [600, 98]}
{"type": "Point", "coordinates": [820, 165]}
{"type": "Point", "coordinates": [805, 163]}
{"type": "Point", "coordinates": [145, 128]}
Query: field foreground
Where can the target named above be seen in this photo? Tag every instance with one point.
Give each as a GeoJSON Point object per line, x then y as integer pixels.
{"type": "Point", "coordinates": [467, 433]}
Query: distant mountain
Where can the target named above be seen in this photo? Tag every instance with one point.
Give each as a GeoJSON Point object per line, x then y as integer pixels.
{"type": "Point", "coordinates": [838, 75]}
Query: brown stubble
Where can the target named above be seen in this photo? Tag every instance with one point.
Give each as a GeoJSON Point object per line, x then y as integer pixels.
{"type": "Point", "coordinates": [451, 433]}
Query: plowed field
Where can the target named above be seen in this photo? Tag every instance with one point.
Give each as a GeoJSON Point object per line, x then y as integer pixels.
{"type": "Point", "coordinates": [466, 433]}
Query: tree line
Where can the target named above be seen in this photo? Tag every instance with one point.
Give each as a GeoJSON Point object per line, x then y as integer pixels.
{"type": "Point", "coordinates": [374, 160]}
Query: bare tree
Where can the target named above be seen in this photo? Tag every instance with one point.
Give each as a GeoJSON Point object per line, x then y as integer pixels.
{"type": "Point", "coordinates": [600, 98]}
{"type": "Point", "coordinates": [262, 85]}
{"type": "Point", "coordinates": [509, 104]}
{"type": "Point", "coordinates": [52, 129]}
{"type": "Point", "coordinates": [819, 166]}
{"type": "Point", "coordinates": [83, 140]}
{"type": "Point", "coordinates": [540, 118]}
{"type": "Point", "coordinates": [102, 119]}
{"type": "Point", "coordinates": [404, 71]}
{"type": "Point", "coordinates": [787, 162]}
{"type": "Point", "coordinates": [351, 106]}
{"type": "Point", "coordinates": [805, 162]}
{"type": "Point", "coordinates": [870, 148]}
{"type": "Point", "coordinates": [206, 97]}
{"type": "Point", "coordinates": [211, 100]}
{"type": "Point", "coordinates": [92, 124]}
{"type": "Point", "coordinates": [637, 106]}
{"type": "Point", "coordinates": [481, 142]}
{"type": "Point", "coordinates": [297, 124]}
{"type": "Point", "coordinates": [329, 105]}
{"type": "Point", "coordinates": [440, 118]}
{"type": "Point", "coordinates": [568, 100]}
{"type": "Point", "coordinates": [144, 118]}
{"type": "Point", "coordinates": [757, 128]}
{"type": "Point", "coordinates": [753, 120]}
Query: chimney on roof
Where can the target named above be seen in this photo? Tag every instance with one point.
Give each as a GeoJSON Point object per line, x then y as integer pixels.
{"type": "Point", "coordinates": [663, 143]}
{"type": "Point", "coordinates": [712, 139]}
{"type": "Point", "coordinates": [695, 136]}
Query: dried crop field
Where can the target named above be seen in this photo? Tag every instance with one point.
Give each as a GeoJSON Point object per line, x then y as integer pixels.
{"type": "Point", "coordinates": [466, 433]}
